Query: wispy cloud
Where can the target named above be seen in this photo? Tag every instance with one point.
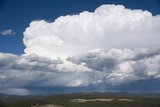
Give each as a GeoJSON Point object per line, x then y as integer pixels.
{"type": "Point", "coordinates": [7, 32]}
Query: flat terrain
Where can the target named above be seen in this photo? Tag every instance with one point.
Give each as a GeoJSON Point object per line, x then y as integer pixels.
{"type": "Point", "coordinates": [47, 105]}
{"type": "Point", "coordinates": [85, 100]}
{"type": "Point", "coordinates": [79, 100]}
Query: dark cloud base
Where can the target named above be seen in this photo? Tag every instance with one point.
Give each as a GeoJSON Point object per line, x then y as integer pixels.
{"type": "Point", "coordinates": [103, 70]}
{"type": "Point", "coordinates": [142, 86]}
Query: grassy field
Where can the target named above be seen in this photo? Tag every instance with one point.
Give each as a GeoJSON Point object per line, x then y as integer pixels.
{"type": "Point", "coordinates": [85, 100]}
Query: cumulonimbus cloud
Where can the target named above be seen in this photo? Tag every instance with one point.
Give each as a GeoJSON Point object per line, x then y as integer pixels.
{"type": "Point", "coordinates": [80, 50]}
{"type": "Point", "coordinates": [109, 26]}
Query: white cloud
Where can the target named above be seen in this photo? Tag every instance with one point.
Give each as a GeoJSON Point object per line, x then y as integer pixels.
{"type": "Point", "coordinates": [80, 50]}
{"type": "Point", "coordinates": [7, 32]}
{"type": "Point", "coordinates": [109, 26]}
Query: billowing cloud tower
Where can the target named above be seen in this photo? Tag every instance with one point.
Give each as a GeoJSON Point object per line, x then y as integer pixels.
{"type": "Point", "coordinates": [111, 46]}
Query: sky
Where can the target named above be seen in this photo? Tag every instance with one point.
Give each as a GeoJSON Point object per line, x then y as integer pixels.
{"type": "Point", "coordinates": [58, 46]}
{"type": "Point", "coordinates": [17, 15]}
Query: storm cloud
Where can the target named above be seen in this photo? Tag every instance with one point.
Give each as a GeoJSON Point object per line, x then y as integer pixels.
{"type": "Point", "coordinates": [112, 66]}
{"type": "Point", "coordinates": [112, 46]}
{"type": "Point", "coordinates": [109, 26]}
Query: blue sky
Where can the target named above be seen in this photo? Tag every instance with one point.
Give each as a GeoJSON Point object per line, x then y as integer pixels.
{"type": "Point", "coordinates": [57, 46]}
{"type": "Point", "coordinates": [17, 14]}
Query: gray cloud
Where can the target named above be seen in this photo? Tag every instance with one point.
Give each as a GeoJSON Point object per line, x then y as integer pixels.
{"type": "Point", "coordinates": [111, 66]}
{"type": "Point", "coordinates": [22, 71]}
{"type": "Point", "coordinates": [117, 66]}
